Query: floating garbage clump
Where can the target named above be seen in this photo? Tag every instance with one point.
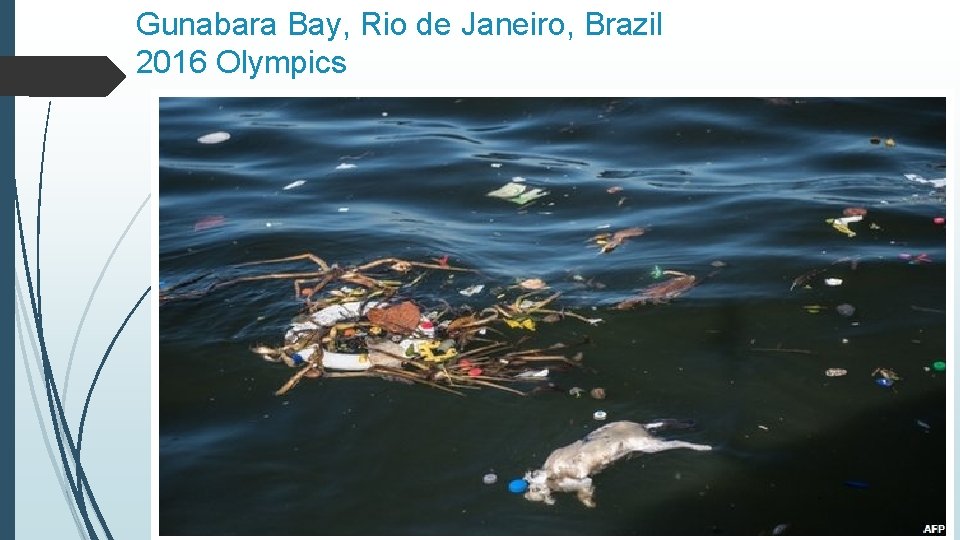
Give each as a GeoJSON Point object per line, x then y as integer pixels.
{"type": "Point", "coordinates": [364, 321]}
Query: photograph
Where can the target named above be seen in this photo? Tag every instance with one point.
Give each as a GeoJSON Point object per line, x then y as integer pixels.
{"type": "Point", "coordinates": [544, 316]}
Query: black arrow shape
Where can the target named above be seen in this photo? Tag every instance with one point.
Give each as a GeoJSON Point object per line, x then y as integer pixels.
{"type": "Point", "coordinates": [58, 76]}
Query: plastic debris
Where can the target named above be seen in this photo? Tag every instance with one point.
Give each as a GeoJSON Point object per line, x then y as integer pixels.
{"type": "Point", "coordinates": [517, 485]}
{"type": "Point", "coordinates": [209, 222]}
{"type": "Point", "coordinates": [841, 224]}
{"type": "Point", "coordinates": [294, 184]}
{"type": "Point", "coordinates": [517, 193]}
{"type": "Point", "coordinates": [611, 241]}
{"type": "Point", "coordinates": [575, 391]}
{"type": "Point", "coordinates": [656, 273]}
{"type": "Point", "coordinates": [939, 365]}
{"type": "Point", "coordinates": [875, 139]}
{"type": "Point", "coordinates": [614, 189]}
{"type": "Point", "coordinates": [600, 416]}
{"type": "Point", "coordinates": [508, 190]}
{"type": "Point", "coordinates": [216, 137]}
{"type": "Point", "coordinates": [489, 478]}
{"type": "Point", "coordinates": [343, 209]}
{"type": "Point", "coordinates": [884, 382]}
{"type": "Point", "coordinates": [886, 373]}
{"type": "Point", "coordinates": [346, 166]}
{"type": "Point", "coordinates": [939, 220]}
{"type": "Point", "coordinates": [532, 284]}
{"type": "Point", "coordinates": [526, 324]}
{"type": "Point", "coordinates": [529, 196]}
{"type": "Point", "coordinates": [846, 310]}
{"type": "Point", "coordinates": [937, 182]}
{"type": "Point", "coordinates": [835, 372]}
{"type": "Point", "coordinates": [472, 290]}
{"type": "Point", "coordinates": [923, 425]}
{"type": "Point", "coordinates": [598, 393]}
{"type": "Point", "coordinates": [534, 374]}
{"type": "Point", "coordinates": [889, 142]}
{"type": "Point", "coordinates": [922, 258]}
{"type": "Point", "coordinates": [854, 211]}
{"type": "Point", "coordinates": [718, 264]}
{"type": "Point", "coordinates": [496, 165]}
{"type": "Point", "coordinates": [833, 282]}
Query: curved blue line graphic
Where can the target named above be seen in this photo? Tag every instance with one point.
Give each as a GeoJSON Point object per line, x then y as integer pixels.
{"type": "Point", "coordinates": [86, 404]}
{"type": "Point", "coordinates": [93, 293]}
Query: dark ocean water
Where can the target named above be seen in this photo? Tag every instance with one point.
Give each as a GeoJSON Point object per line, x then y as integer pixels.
{"type": "Point", "coordinates": [745, 181]}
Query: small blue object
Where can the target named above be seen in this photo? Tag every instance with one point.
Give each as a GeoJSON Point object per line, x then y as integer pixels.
{"type": "Point", "coordinates": [518, 485]}
{"type": "Point", "coordinates": [885, 382]}
{"type": "Point", "coordinates": [297, 359]}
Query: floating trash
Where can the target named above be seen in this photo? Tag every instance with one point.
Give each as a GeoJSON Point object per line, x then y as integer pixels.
{"type": "Point", "coordinates": [835, 372]}
{"type": "Point", "coordinates": [846, 310]}
{"type": "Point", "coordinates": [294, 184]}
{"type": "Point", "coordinates": [886, 374]}
{"type": "Point", "coordinates": [209, 222]}
{"type": "Point", "coordinates": [529, 196]}
{"type": "Point", "coordinates": [889, 142]}
{"type": "Point", "coordinates": [833, 282]}
{"type": "Point", "coordinates": [922, 258]}
{"type": "Point", "coordinates": [517, 193]}
{"type": "Point", "coordinates": [939, 220]}
{"type": "Point", "coordinates": [600, 416]}
{"type": "Point", "coordinates": [854, 211]}
{"type": "Point", "coordinates": [472, 290]}
{"type": "Point", "coordinates": [496, 165]}
{"type": "Point", "coordinates": [343, 209]}
{"type": "Point", "coordinates": [598, 393]}
{"type": "Point", "coordinates": [575, 391]}
{"type": "Point", "coordinates": [614, 189]}
{"type": "Point", "coordinates": [342, 166]}
{"type": "Point", "coordinates": [489, 478]}
{"type": "Point", "coordinates": [937, 182]}
{"type": "Point", "coordinates": [216, 137]}
{"type": "Point", "coordinates": [656, 273]}
{"type": "Point", "coordinates": [532, 284]}
{"type": "Point", "coordinates": [939, 365]}
{"type": "Point", "coordinates": [923, 425]}
{"type": "Point", "coordinates": [517, 485]}
{"type": "Point", "coordinates": [611, 241]}
{"type": "Point", "coordinates": [841, 224]}
{"type": "Point", "coordinates": [780, 529]}
{"type": "Point", "coordinates": [352, 325]}
{"type": "Point", "coordinates": [884, 382]}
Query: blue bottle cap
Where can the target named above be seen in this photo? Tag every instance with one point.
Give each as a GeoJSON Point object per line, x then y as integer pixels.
{"type": "Point", "coordinates": [885, 382]}
{"type": "Point", "coordinates": [518, 485]}
{"type": "Point", "coordinates": [297, 359]}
